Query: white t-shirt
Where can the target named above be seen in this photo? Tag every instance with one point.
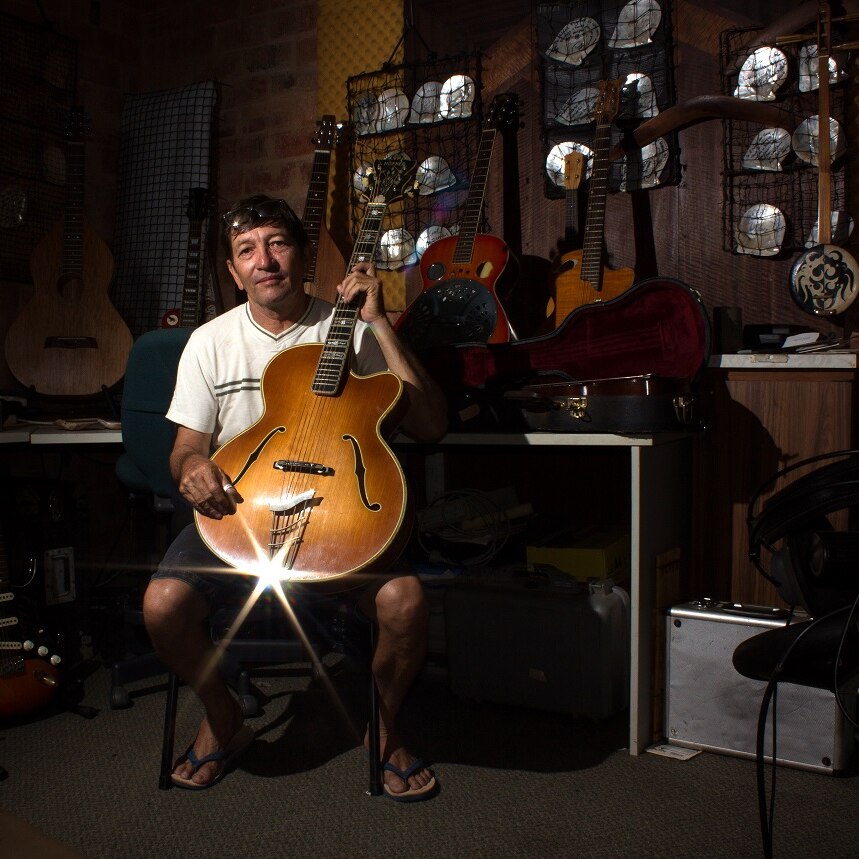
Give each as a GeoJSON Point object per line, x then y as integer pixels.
{"type": "Point", "coordinates": [218, 380]}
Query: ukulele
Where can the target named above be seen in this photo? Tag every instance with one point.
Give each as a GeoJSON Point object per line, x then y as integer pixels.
{"type": "Point", "coordinates": [458, 302]}
{"type": "Point", "coordinates": [823, 280]}
{"type": "Point", "coordinates": [69, 339]}
{"type": "Point", "coordinates": [324, 494]}
{"type": "Point", "coordinates": [28, 671]}
{"type": "Point", "coordinates": [327, 265]}
{"type": "Point", "coordinates": [583, 278]}
{"type": "Point", "coordinates": [189, 315]}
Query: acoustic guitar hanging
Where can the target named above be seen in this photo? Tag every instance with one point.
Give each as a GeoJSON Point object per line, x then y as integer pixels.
{"type": "Point", "coordinates": [327, 265]}
{"type": "Point", "coordinates": [324, 494]}
{"type": "Point", "coordinates": [189, 315]}
{"type": "Point", "coordinates": [458, 302]}
{"type": "Point", "coordinates": [825, 278]}
{"type": "Point", "coordinates": [29, 673]}
{"type": "Point", "coordinates": [69, 339]}
{"type": "Point", "coordinates": [583, 278]}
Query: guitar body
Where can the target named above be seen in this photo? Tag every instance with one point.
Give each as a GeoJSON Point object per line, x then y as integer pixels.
{"type": "Point", "coordinates": [69, 339]}
{"type": "Point", "coordinates": [329, 524]}
{"type": "Point", "coordinates": [458, 302]}
{"type": "Point", "coordinates": [28, 687]}
{"type": "Point", "coordinates": [571, 291]}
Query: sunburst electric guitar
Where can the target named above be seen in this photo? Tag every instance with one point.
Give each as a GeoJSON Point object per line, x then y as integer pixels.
{"type": "Point", "coordinates": [69, 339]}
{"type": "Point", "coordinates": [458, 302]}
{"type": "Point", "coordinates": [324, 495]}
{"type": "Point", "coordinates": [583, 278]}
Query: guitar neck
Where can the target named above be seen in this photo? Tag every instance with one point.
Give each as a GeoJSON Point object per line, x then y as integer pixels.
{"type": "Point", "coordinates": [335, 352]}
{"type": "Point", "coordinates": [314, 207]}
{"type": "Point", "coordinates": [824, 170]}
{"type": "Point", "coordinates": [191, 292]}
{"type": "Point", "coordinates": [595, 220]}
{"type": "Point", "coordinates": [73, 220]}
{"type": "Point", "coordinates": [474, 204]}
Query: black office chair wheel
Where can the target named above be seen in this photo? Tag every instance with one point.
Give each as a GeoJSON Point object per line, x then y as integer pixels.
{"type": "Point", "coordinates": [249, 706]}
{"type": "Point", "coordinates": [119, 698]}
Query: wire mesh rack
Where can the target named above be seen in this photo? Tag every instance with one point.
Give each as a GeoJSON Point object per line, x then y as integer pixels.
{"type": "Point", "coordinates": [584, 43]}
{"type": "Point", "coordinates": [771, 180]}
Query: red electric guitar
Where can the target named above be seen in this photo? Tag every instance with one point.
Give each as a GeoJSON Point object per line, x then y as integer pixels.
{"type": "Point", "coordinates": [458, 302]}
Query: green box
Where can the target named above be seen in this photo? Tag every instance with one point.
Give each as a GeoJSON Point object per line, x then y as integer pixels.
{"type": "Point", "coordinates": [600, 555]}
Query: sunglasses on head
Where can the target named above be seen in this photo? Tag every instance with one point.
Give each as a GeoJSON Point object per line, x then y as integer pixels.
{"type": "Point", "coordinates": [243, 215]}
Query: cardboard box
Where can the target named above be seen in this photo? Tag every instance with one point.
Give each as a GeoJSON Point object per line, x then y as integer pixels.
{"type": "Point", "coordinates": [601, 555]}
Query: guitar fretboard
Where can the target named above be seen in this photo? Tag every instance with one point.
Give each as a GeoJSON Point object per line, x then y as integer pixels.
{"type": "Point", "coordinates": [474, 204]}
{"type": "Point", "coordinates": [73, 222]}
{"type": "Point", "coordinates": [335, 352]}
{"type": "Point", "coordinates": [315, 206]}
{"type": "Point", "coordinates": [595, 220]}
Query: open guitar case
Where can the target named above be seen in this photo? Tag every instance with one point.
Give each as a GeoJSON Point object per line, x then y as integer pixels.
{"type": "Point", "coordinates": [628, 365]}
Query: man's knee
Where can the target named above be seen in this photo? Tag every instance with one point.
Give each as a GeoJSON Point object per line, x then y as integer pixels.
{"type": "Point", "coordinates": [401, 602]}
{"type": "Point", "coordinates": [170, 606]}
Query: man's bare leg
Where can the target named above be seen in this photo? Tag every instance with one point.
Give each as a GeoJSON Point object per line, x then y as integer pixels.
{"type": "Point", "coordinates": [176, 620]}
{"type": "Point", "coordinates": [400, 610]}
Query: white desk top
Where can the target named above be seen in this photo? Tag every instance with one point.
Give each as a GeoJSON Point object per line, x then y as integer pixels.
{"type": "Point", "coordinates": [45, 434]}
{"type": "Point", "coordinates": [555, 439]}
{"type": "Point", "coordinates": [786, 361]}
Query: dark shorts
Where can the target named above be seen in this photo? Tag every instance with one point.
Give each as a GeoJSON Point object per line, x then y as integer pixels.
{"type": "Point", "coordinates": [190, 560]}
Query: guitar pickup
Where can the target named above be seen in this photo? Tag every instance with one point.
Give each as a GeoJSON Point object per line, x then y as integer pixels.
{"type": "Point", "coordinates": [303, 467]}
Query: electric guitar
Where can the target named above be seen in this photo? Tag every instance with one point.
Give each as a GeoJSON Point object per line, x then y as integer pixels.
{"type": "Point", "coordinates": [69, 339]}
{"type": "Point", "coordinates": [327, 265]}
{"type": "Point", "coordinates": [324, 494]}
{"type": "Point", "coordinates": [29, 675]}
{"type": "Point", "coordinates": [584, 279]}
{"type": "Point", "coordinates": [189, 315]}
{"type": "Point", "coordinates": [458, 302]}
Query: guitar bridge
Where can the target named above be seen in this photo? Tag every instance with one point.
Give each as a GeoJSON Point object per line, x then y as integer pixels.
{"type": "Point", "coordinates": [303, 467]}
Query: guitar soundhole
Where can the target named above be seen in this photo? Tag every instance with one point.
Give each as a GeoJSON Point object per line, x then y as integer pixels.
{"type": "Point", "coordinates": [457, 311]}
{"type": "Point", "coordinates": [436, 271]}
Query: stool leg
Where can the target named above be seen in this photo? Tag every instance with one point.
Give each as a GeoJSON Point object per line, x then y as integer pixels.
{"type": "Point", "coordinates": [375, 788]}
{"type": "Point", "coordinates": [164, 780]}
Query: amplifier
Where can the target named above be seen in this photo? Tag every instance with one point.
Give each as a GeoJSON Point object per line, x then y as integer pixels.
{"type": "Point", "coordinates": [710, 706]}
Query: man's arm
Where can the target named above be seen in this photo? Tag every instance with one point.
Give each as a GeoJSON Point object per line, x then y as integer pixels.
{"type": "Point", "coordinates": [202, 483]}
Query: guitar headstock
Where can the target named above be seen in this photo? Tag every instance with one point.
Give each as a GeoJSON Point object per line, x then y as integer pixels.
{"type": "Point", "coordinates": [574, 169]}
{"type": "Point", "coordinates": [390, 178]}
{"type": "Point", "coordinates": [198, 204]}
{"type": "Point", "coordinates": [503, 113]}
{"type": "Point", "coordinates": [328, 134]}
{"type": "Point", "coordinates": [77, 124]}
{"type": "Point", "coordinates": [608, 101]}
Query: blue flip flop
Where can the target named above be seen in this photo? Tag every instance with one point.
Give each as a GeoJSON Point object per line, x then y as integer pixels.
{"type": "Point", "coordinates": [429, 790]}
{"type": "Point", "coordinates": [229, 756]}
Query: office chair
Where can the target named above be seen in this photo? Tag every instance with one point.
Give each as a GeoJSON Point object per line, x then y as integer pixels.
{"type": "Point", "coordinates": [815, 567]}
{"type": "Point", "coordinates": [148, 439]}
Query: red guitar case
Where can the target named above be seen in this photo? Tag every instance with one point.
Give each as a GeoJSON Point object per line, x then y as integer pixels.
{"type": "Point", "coordinates": [625, 365]}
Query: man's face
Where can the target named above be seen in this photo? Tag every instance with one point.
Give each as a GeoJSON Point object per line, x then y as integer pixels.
{"type": "Point", "coordinates": [267, 265]}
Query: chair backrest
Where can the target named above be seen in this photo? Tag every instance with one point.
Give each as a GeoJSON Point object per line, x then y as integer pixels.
{"type": "Point", "coordinates": [147, 435]}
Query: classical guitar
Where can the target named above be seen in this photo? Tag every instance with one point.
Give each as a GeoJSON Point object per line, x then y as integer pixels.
{"type": "Point", "coordinates": [69, 339]}
{"type": "Point", "coordinates": [324, 494]}
{"type": "Point", "coordinates": [584, 279]}
{"type": "Point", "coordinates": [189, 314]}
{"type": "Point", "coordinates": [824, 280]}
{"type": "Point", "coordinates": [458, 301]}
{"type": "Point", "coordinates": [327, 265]}
{"type": "Point", "coordinates": [29, 675]}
